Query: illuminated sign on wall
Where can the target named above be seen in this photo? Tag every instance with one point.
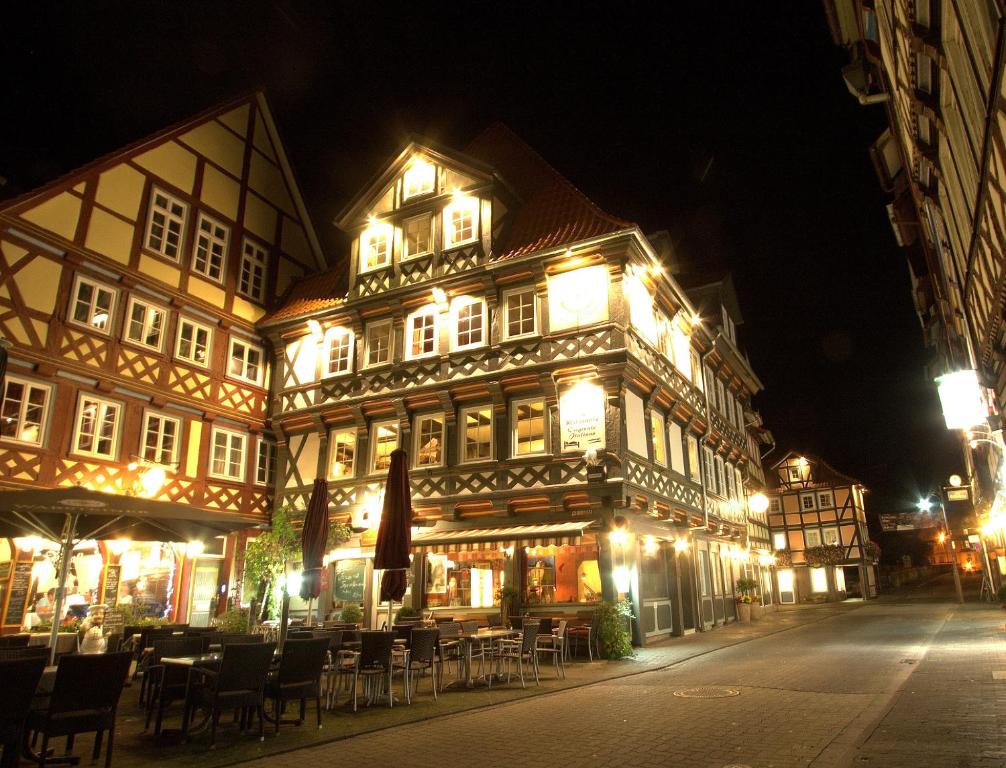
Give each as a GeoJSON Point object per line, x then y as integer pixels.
{"type": "Point", "coordinates": [961, 398]}
{"type": "Point", "coordinates": [581, 417]}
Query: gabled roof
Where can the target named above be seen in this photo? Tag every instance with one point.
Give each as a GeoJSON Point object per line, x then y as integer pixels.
{"type": "Point", "coordinates": [552, 212]}
{"type": "Point", "coordinates": [824, 473]}
{"type": "Point", "coordinates": [314, 293]}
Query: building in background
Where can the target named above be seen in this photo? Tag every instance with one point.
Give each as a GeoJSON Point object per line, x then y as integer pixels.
{"type": "Point", "coordinates": [129, 293]}
{"type": "Point", "coordinates": [936, 68]}
{"type": "Point", "coordinates": [813, 506]}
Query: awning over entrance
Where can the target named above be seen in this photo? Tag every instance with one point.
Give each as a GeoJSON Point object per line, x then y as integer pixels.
{"type": "Point", "coordinates": [474, 539]}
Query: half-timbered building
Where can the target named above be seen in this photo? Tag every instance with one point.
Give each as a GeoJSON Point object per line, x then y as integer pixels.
{"type": "Point", "coordinates": [811, 505]}
{"type": "Point", "coordinates": [563, 405]}
{"type": "Point", "coordinates": [129, 293]}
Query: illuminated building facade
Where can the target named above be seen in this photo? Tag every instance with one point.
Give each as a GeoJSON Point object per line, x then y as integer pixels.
{"type": "Point", "coordinates": [129, 293]}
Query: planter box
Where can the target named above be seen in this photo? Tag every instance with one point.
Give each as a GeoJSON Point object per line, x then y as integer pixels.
{"type": "Point", "coordinates": [744, 613]}
{"type": "Point", "coordinates": [756, 611]}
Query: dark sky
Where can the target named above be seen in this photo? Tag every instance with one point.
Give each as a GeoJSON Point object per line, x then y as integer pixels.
{"type": "Point", "coordinates": [733, 115]}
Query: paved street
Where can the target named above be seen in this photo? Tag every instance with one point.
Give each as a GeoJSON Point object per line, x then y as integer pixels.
{"type": "Point", "coordinates": [900, 682]}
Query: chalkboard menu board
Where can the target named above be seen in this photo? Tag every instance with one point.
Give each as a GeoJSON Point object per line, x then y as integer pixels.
{"type": "Point", "coordinates": [111, 593]}
{"type": "Point", "coordinates": [20, 583]}
{"type": "Point", "coordinates": [350, 577]}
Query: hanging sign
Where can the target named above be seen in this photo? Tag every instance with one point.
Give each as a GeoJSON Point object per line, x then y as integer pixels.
{"type": "Point", "coordinates": [581, 417]}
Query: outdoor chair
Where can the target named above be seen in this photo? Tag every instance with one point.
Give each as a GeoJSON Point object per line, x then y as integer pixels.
{"type": "Point", "coordinates": [444, 619]}
{"type": "Point", "coordinates": [19, 679]}
{"type": "Point", "coordinates": [226, 639]}
{"type": "Point", "coordinates": [516, 622]}
{"type": "Point", "coordinates": [448, 646]}
{"type": "Point", "coordinates": [15, 641]}
{"type": "Point", "coordinates": [300, 634]}
{"type": "Point", "coordinates": [84, 699]}
{"type": "Point", "coordinates": [523, 650]}
{"type": "Point", "coordinates": [167, 682]}
{"type": "Point", "coordinates": [495, 620]}
{"type": "Point", "coordinates": [404, 632]}
{"type": "Point", "coordinates": [554, 645]}
{"type": "Point", "coordinates": [545, 625]}
{"type": "Point", "coordinates": [373, 663]}
{"type": "Point", "coordinates": [238, 684]}
{"type": "Point", "coordinates": [582, 635]}
{"type": "Point", "coordinates": [422, 656]}
{"type": "Point", "coordinates": [298, 677]}
{"type": "Point", "coordinates": [31, 652]}
{"type": "Point", "coordinates": [478, 648]}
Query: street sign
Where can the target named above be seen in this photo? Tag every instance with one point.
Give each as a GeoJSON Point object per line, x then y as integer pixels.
{"type": "Point", "coordinates": [957, 494]}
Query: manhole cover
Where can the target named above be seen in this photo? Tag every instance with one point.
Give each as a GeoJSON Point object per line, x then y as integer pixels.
{"type": "Point", "coordinates": [736, 765]}
{"type": "Point", "coordinates": [707, 692]}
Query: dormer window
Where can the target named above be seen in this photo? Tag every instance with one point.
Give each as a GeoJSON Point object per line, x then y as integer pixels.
{"type": "Point", "coordinates": [461, 221]}
{"type": "Point", "coordinates": [419, 179]}
{"type": "Point", "coordinates": [375, 246]}
{"type": "Point", "coordinates": [418, 236]}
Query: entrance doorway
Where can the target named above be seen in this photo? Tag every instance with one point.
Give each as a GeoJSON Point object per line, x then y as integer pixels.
{"type": "Point", "coordinates": [205, 576]}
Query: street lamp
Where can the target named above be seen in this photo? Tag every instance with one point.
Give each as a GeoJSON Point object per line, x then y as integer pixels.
{"type": "Point", "coordinates": [925, 505]}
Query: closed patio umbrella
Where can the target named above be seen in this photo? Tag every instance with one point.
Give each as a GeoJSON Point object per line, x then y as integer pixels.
{"type": "Point", "coordinates": [394, 536]}
{"type": "Point", "coordinates": [314, 541]}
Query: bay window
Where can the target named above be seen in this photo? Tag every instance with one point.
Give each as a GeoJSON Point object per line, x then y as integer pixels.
{"type": "Point", "coordinates": [530, 427]}
{"type": "Point", "coordinates": [429, 448]}
{"type": "Point", "coordinates": [476, 433]}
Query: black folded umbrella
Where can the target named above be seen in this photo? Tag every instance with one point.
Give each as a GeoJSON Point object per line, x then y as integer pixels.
{"type": "Point", "coordinates": [394, 536]}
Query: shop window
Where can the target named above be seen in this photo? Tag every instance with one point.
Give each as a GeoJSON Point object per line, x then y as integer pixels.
{"type": "Point", "coordinates": [145, 323]}
{"type": "Point", "coordinates": [251, 279]}
{"type": "Point", "coordinates": [477, 434]}
{"type": "Point", "coordinates": [24, 410]}
{"type": "Point", "coordinates": [166, 225]}
{"type": "Point", "coordinates": [92, 304]}
{"type": "Point", "coordinates": [461, 579]}
{"type": "Point", "coordinates": [562, 574]}
{"type": "Point", "coordinates": [146, 578]}
{"type": "Point", "coordinates": [339, 351]}
{"type": "Point", "coordinates": [193, 343]}
{"type": "Point", "coordinates": [210, 253]}
{"type": "Point", "coordinates": [429, 440]}
{"type": "Point", "coordinates": [378, 343]}
{"type": "Point", "coordinates": [418, 236]}
{"type": "Point", "coordinates": [520, 308]}
{"type": "Point", "coordinates": [342, 453]}
{"type": "Point", "coordinates": [786, 582]}
{"type": "Point", "coordinates": [384, 438]}
{"type": "Point", "coordinates": [818, 579]}
{"type": "Point", "coordinates": [96, 431]}
{"type": "Point", "coordinates": [530, 428]}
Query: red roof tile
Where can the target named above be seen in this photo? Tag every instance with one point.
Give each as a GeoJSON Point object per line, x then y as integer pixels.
{"type": "Point", "coordinates": [553, 212]}
{"type": "Point", "coordinates": [310, 294]}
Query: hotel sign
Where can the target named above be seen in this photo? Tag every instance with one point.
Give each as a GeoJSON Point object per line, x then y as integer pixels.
{"type": "Point", "coordinates": [581, 417]}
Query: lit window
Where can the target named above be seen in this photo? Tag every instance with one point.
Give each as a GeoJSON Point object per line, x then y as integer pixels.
{"type": "Point", "coordinates": [193, 342]}
{"type": "Point", "coordinates": [419, 178]}
{"type": "Point", "coordinates": [477, 434]}
{"type": "Point", "coordinates": [830, 535]}
{"type": "Point", "coordinates": [160, 439]}
{"type": "Point", "coordinates": [469, 322]}
{"type": "Point", "coordinates": [97, 426]}
{"type": "Point", "coordinates": [342, 453]}
{"type": "Point", "coordinates": [657, 438]}
{"type": "Point", "coordinates": [818, 580]}
{"type": "Point", "coordinates": [807, 502]}
{"type": "Point", "coordinates": [379, 343]}
{"type": "Point", "coordinates": [721, 488]}
{"type": "Point", "coordinates": [166, 225]}
{"type": "Point", "coordinates": [430, 440]}
{"type": "Point", "coordinates": [825, 500]}
{"type": "Point", "coordinates": [245, 362]}
{"type": "Point", "coordinates": [693, 459]}
{"type": "Point", "coordinates": [375, 247]}
{"type": "Point", "coordinates": [265, 463]}
{"type": "Point", "coordinates": [811, 538]}
{"type": "Point", "coordinates": [145, 323]}
{"type": "Point", "coordinates": [530, 436]}
{"type": "Point", "coordinates": [710, 471]}
{"type": "Point", "coordinates": [461, 221]}
{"type": "Point", "coordinates": [384, 437]}
{"type": "Point", "coordinates": [421, 333]}
{"type": "Point", "coordinates": [418, 236]}
{"type": "Point", "coordinates": [92, 304]}
{"type": "Point", "coordinates": [339, 345]}
{"type": "Point", "coordinates": [696, 370]}
{"type": "Point", "coordinates": [520, 313]}
{"type": "Point", "coordinates": [24, 410]}
{"type": "Point", "coordinates": [227, 460]}
{"type": "Point", "coordinates": [779, 541]}
{"type": "Point", "coordinates": [681, 347]}
{"type": "Point", "coordinates": [720, 397]}
{"type": "Point", "coordinates": [211, 248]}
{"type": "Point", "coordinates": [251, 282]}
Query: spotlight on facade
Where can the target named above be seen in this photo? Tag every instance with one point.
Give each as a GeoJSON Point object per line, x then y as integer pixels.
{"type": "Point", "coordinates": [758, 503]}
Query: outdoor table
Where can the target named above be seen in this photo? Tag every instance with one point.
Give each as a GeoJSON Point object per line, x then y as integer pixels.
{"type": "Point", "coordinates": [466, 641]}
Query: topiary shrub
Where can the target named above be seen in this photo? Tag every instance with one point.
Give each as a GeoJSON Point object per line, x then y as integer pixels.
{"type": "Point", "coordinates": [233, 621]}
{"type": "Point", "coordinates": [351, 614]}
{"type": "Point", "coordinates": [406, 612]}
{"type": "Point", "coordinates": [611, 623]}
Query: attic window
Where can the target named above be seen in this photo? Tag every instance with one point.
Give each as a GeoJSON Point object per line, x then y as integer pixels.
{"type": "Point", "coordinates": [375, 246]}
{"type": "Point", "coordinates": [419, 178]}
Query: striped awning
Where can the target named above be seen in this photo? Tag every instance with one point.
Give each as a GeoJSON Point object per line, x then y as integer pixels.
{"type": "Point", "coordinates": [482, 539]}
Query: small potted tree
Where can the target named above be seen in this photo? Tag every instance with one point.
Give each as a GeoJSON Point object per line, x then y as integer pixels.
{"type": "Point", "coordinates": [747, 600]}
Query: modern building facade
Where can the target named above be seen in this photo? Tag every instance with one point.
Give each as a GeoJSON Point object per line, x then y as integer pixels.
{"type": "Point", "coordinates": [936, 68]}
{"type": "Point", "coordinates": [129, 293]}
{"type": "Point", "coordinates": [812, 505]}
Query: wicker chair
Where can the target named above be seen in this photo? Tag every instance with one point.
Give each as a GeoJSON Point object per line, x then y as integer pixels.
{"type": "Point", "coordinates": [298, 677]}
{"type": "Point", "coordinates": [422, 657]}
{"type": "Point", "coordinates": [522, 650]}
{"type": "Point", "coordinates": [372, 663]}
{"type": "Point", "coordinates": [167, 683]}
{"type": "Point", "coordinates": [20, 680]}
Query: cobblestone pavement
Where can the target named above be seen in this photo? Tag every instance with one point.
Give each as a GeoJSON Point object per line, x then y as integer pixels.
{"type": "Point", "coordinates": [890, 684]}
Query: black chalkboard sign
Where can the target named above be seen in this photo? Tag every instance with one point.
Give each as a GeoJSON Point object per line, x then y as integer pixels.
{"type": "Point", "coordinates": [350, 578]}
{"type": "Point", "coordinates": [111, 593]}
{"type": "Point", "coordinates": [20, 583]}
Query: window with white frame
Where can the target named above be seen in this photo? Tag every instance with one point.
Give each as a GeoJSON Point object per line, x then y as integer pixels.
{"type": "Point", "coordinates": [378, 340]}
{"type": "Point", "coordinates": [375, 246]}
{"type": "Point", "coordinates": [92, 304]}
{"type": "Point", "coordinates": [658, 450]}
{"type": "Point", "coordinates": [165, 225]}
{"type": "Point", "coordinates": [476, 433]}
{"type": "Point", "coordinates": [227, 456]}
{"type": "Point", "coordinates": [520, 313]}
{"type": "Point", "coordinates": [697, 379]}
{"type": "Point", "coordinates": [530, 428]}
{"type": "Point", "coordinates": [721, 487]}
{"type": "Point", "coordinates": [160, 439]}
{"type": "Point", "coordinates": [710, 470]}
{"type": "Point", "coordinates": [338, 351]}
{"type": "Point", "coordinates": [210, 254]}
{"type": "Point", "coordinates": [811, 537]}
{"type": "Point", "coordinates": [245, 361]}
{"type": "Point", "coordinates": [341, 453]}
{"type": "Point", "coordinates": [779, 541]}
{"type": "Point", "coordinates": [24, 410]}
{"type": "Point", "coordinates": [829, 535]}
{"type": "Point", "coordinates": [96, 430]}
{"type": "Point", "coordinates": [419, 179]}
{"type": "Point", "coordinates": [677, 444]}
{"type": "Point", "coordinates": [728, 487]}
{"type": "Point", "coordinates": [774, 506]}
{"type": "Point", "coordinates": [265, 463]}
{"type": "Point", "coordinates": [145, 323]}
{"type": "Point", "coordinates": [694, 466]}
{"type": "Point", "coordinates": [421, 333]}
{"type": "Point", "coordinates": [251, 278]}
{"type": "Point", "coordinates": [739, 484]}
{"type": "Point", "coordinates": [417, 236]}
{"type": "Point", "coordinates": [825, 500]}
{"type": "Point", "coordinates": [461, 218]}
{"type": "Point", "coordinates": [720, 397]}
{"type": "Point", "coordinates": [807, 502]}
{"type": "Point", "coordinates": [193, 344]}
{"type": "Point", "coordinates": [384, 437]}
{"type": "Point", "coordinates": [429, 440]}
{"type": "Point", "coordinates": [469, 322]}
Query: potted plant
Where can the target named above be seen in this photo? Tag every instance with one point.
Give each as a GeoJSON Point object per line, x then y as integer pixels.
{"type": "Point", "coordinates": [232, 621]}
{"type": "Point", "coordinates": [505, 596]}
{"type": "Point", "coordinates": [611, 625]}
{"type": "Point", "coordinates": [743, 608]}
{"type": "Point", "coordinates": [747, 599]}
{"type": "Point", "coordinates": [351, 614]}
{"type": "Point", "coordinates": [406, 612]}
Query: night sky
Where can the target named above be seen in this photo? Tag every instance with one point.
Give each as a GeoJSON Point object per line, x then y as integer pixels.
{"type": "Point", "coordinates": [729, 124]}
